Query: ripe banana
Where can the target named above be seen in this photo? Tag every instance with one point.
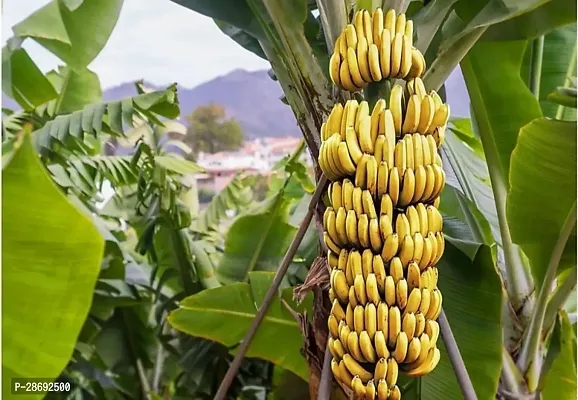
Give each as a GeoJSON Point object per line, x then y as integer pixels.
{"type": "Point", "coordinates": [372, 290]}
{"type": "Point", "coordinates": [389, 292]}
{"type": "Point", "coordinates": [408, 325]}
{"type": "Point", "coordinates": [400, 350]}
{"type": "Point", "coordinates": [358, 388]}
{"type": "Point", "coordinates": [413, 301]}
{"type": "Point", "coordinates": [367, 348]}
{"type": "Point", "coordinates": [394, 326]}
{"type": "Point", "coordinates": [390, 247]}
{"type": "Point", "coordinates": [401, 293]}
{"type": "Point", "coordinates": [355, 368]}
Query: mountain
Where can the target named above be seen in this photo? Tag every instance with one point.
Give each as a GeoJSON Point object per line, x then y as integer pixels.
{"type": "Point", "coordinates": [253, 98]}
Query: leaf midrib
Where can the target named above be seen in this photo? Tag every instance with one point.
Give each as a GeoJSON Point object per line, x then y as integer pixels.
{"type": "Point", "coordinates": [247, 315]}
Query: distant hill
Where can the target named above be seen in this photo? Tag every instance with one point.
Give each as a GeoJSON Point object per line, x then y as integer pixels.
{"type": "Point", "coordinates": [253, 99]}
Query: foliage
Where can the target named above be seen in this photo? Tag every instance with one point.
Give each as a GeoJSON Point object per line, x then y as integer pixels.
{"type": "Point", "coordinates": [210, 131]}
{"type": "Point", "coordinates": [177, 287]}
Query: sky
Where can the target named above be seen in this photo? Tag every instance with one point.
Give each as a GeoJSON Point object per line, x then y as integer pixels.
{"type": "Point", "coordinates": [155, 40]}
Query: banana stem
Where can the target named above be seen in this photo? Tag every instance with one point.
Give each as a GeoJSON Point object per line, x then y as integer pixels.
{"type": "Point", "coordinates": [569, 74]}
{"type": "Point", "coordinates": [536, 65]}
{"type": "Point", "coordinates": [456, 359]}
{"type": "Point", "coordinates": [324, 392]}
{"type": "Point", "coordinates": [531, 342]}
{"type": "Point", "coordinates": [559, 298]}
{"type": "Point", "coordinates": [285, 263]}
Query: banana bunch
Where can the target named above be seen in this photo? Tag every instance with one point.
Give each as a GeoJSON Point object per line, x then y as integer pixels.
{"type": "Point", "coordinates": [375, 47]}
{"type": "Point", "coordinates": [382, 224]}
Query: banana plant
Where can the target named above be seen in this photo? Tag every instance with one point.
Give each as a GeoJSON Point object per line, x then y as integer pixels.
{"type": "Point", "coordinates": [509, 207]}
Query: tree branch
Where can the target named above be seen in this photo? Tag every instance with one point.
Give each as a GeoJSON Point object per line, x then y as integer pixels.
{"type": "Point", "coordinates": [456, 359]}
{"type": "Point", "coordinates": [285, 263]}
{"type": "Point", "coordinates": [324, 392]}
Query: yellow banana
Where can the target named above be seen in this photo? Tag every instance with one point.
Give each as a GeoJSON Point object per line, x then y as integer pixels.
{"type": "Point", "coordinates": [408, 325]}
{"type": "Point", "coordinates": [425, 346]}
{"type": "Point", "coordinates": [407, 188]}
{"type": "Point", "coordinates": [355, 264]}
{"type": "Point", "coordinates": [401, 293]}
{"type": "Point", "coordinates": [413, 350]}
{"type": "Point", "coordinates": [389, 291]}
{"type": "Point", "coordinates": [340, 223]}
{"type": "Point", "coordinates": [425, 301]}
{"type": "Point", "coordinates": [382, 390]}
{"type": "Point", "coordinates": [374, 65]}
{"type": "Point", "coordinates": [367, 26]}
{"type": "Point", "coordinates": [400, 350]}
{"type": "Point", "coordinates": [400, 156]}
{"type": "Point", "coordinates": [418, 64]}
{"type": "Point", "coordinates": [418, 246]}
{"type": "Point", "coordinates": [331, 227]}
{"type": "Point", "coordinates": [409, 30]}
{"type": "Point", "coordinates": [434, 304]}
{"type": "Point", "coordinates": [362, 113]}
{"type": "Point", "coordinates": [371, 319]}
{"type": "Point", "coordinates": [337, 311]}
{"type": "Point", "coordinates": [432, 329]}
{"type": "Point", "coordinates": [334, 64]}
{"type": "Point", "coordinates": [434, 219]}
{"type": "Point", "coordinates": [344, 374]}
{"type": "Point", "coordinates": [385, 226]}
{"type": "Point", "coordinates": [427, 111]}
{"type": "Point", "coordinates": [394, 326]}
{"type": "Point", "coordinates": [349, 315]}
{"type": "Point", "coordinates": [400, 24]}
{"type": "Point", "coordinates": [358, 24]}
{"type": "Point", "coordinates": [358, 200]}
{"type": "Point", "coordinates": [432, 147]}
{"type": "Point", "coordinates": [423, 218]}
{"type": "Point", "coordinates": [413, 219]}
{"type": "Point", "coordinates": [385, 53]}
{"type": "Point", "coordinates": [331, 295]}
{"type": "Point", "coordinates": [396, 107]}
{"type": "Point", "coordinates": [354, 348]}
{"type": "Point", "coordinates": [381, 346]}
{"type": "Point", "coordinates": [386, 206]}
{"type": "Point", "coordinates": [377, 25]}
{"type": "Point", "coordinates": [427, 253]}
{"type": "Point", "coordinates": [351, 36]}
{"type": "Point", "coordinates": [390, 21]}
{"type": "Point", "coordinates": [382, 175]}
{"type": "Point", "coordinates": [389, 132]}
{"type": "Point", "coordinates": [342, 44]}
{"type": "Point", "coordinates": [333, 150]}
{"type": "Point", "coordinates": [434, 245]}
{"type": "Point", "coordinates": [420, 182]}
{"type": "Point", "coordinates": [430, 181]}
{"type": "Point", "coordinates": [402, 226]}
{"type": "Point", "coordinates": [428, 365]}
{"type": "Point", "coordinates": [347, 194]}
{"type": "Point", "coordinates": [392, 372]}
{"type": "Point", "coordinates": [336, 195]}
{"type": "Point", "coordinates": [334, 120]}
{"type": "Point", "coordinates": [375, 236]}
{"type": "Point", "coordinates": [370, 390]}
{"type": "Point", "coordinates": [331, 245]}
{"type": "Point", "coordinates": [335, 370]}
{"type": "Point", "coordinates": [390, 247]}
{"type": "Point", "coordinates": [427, 153]}
{"type": "Point", "coordinates": [363, 59]}
{"type": "Point", "coordinates": [358, 388]}
{"type": "Point", "coordinates": [372, 290]}
{"type": "Point", "coordinates": [333, 326]}
{"type": "Point", "coordinates": [336, 349]}
{"type": "Point", "coordinates": [379, 271]}
{"type": "Point", "coordinates": [394, 185]}
{"type": "Point", "coordinates": [439, 309]}
{"type": "Point", "coordinates": [360, 293]}
{"type": "Point", "coordinates": [405, 57]}
{"type": "Point", "coordinates": [408, 139]}
{"type": "Point", "coordinates": [413, 273]}
{"type": "Point", "coordinates": [365, 135]}
{"type": "Point", "coordinates": [339, 285]}
{"type": "Point", "coordinates": [378, 109]}
{"type": "Point", "coordinates": [345, 76]}
{"type": "Point", "coordinates": [440, 118]}
{"type": "Point", "coordinates": [366, 346]}
{"type": "Point", "coordinates": [382, 324]}
{"type": "Point", "coordinates": [345, 159]}
{"type": "Point", "coordinates": [380, 371]}
{"type": "Point", "coordinates": [417, 150]}
{"type": "Point", "coordinates": [349, 113]}
{"type": "Point", "coordinates": [361, 174]}
{"type": "Point", "coordinates": [407, 250]}
{"type": "Point", "coordinates": [413, 301]}
{"type": "Point", "coordinates": [441, 244]}
{"type": "Point", "coordinates": [396, 54]}
{"type": "Point", "coordinates": [363, 231]}
{"type": "Point", "coordinates": [396, 269]}
{"type": "Point", "coordinates": [358, 318]}
{"type": "Point", "coordinates": [366, 263]}
{"type": "Point", "coordinates": [419, 324]}
{"type": "Point", "coordinates": [332, 259]}
{"type": "Point", "coordinates": [351, 228]}
{"type": "Point", "coordinates": [353, 66]}
{"type": "Point", "coordinates": [394, 393]}
{"type": "Point", "coordinates": [412, 115]}
{"type": "Point", "coordinates": [371, 175]}
{"type": "Point", "coordinates": [355, 369]}
{"type": "Point", "coordinates": [344, 331]}
{"type": "Point", "coordinates": [352, 297]}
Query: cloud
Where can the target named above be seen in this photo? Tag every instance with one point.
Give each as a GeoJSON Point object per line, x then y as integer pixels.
{"type": "Point", "coordinates": [156, 40]}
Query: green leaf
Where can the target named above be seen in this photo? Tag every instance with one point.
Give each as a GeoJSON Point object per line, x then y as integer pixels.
{"type": "Point", "coordinates": [540, 21]}
{"type": "Point", "coordinates": [109, 117]}
{"type": "Point", "coordinates": [264, 248]}
{"type": "Point", "coordinates": [79, 88]}
{"type": "Point", "coordinates": [501, 101]}
{"type": "Point", "coordinates": [23, 81]}
{"type": "Point", "coordinates": [242, 38]}
{"type": "Point", "coordinates": [234, 12]}
{"type": "Point", "coordinates": [564, 97]}
{"type": "Point", "coordinates": [51, 256]}
{"type": "Point", "coordinates": [543, 177]}
{"type": "Point", "coordinates": [472, 302]}
{"type": "Point", "coordinates": [560, 382]}
{"type": "Point", "coordinates": [224, 315]}
{"type": "Point", "coordinates": [77, 36]}
{"type": "Point", "coordinates": [178, 165]}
